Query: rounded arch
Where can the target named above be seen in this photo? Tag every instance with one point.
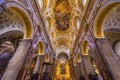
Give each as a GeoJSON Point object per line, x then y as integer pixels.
{"type": "Point", "coordinates": [117, 48]}
{"type": "Point", "coordinates": [112, 36]}
{"type": "Point", "coordinates": [76, 22]}
{"type": "Point", "coordinates": [98, 28]}
{"type": "Point", "coordinates": [48, 23]}
{"type": "Point", "coordinates": [84, 2]}
{"type": "Point", "coordinates": [63, 56]}
{"type": "Point", "coordinates": [63, 49]}
{"type": "Point", "coordinates": [40, 48]}
{"type": "Point", "coordinates": [85, 47]}
{"type": "Point", "coordinates": [40, 3]}
{"type": "Point", "coordinates": [21, 11]}
{"type": "Point", "coordinates": [78, 57]}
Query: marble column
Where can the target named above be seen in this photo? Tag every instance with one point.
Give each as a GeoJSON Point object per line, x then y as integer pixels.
{"type": "Point", "coordinates": [77, 71]}
{"type": "Point", "coordinates": [41, 66]}
{"type": "Point", "coordinates": [15, 64]}
{"type": "Point", "coordinates": [87, 63]}
{"type": "Point", "coordinates": [72, 74]}
{"type": "Point", "coordinates": [99, 62]}
{"type": "Point", "coordinates": [24, 74]}
{"type": "Point", "coordinates": [37, 65]}
{"type": "Point", "coordinates": [47, 67]}
{"type": "Point", "coordinates": [83, 69]}
{"type": "Point", "coordinates": [109, 57]}
{"type": "Point", "coordinates": [54, 69]}
{"type": "Point", "coordinates": [79, 68]}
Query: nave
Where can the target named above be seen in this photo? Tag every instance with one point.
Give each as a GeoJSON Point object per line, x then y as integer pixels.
{"type": "Point", "coordinates": [59, 39]}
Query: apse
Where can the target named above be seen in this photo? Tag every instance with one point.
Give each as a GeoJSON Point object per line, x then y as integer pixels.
{"type": "Point", "coordinates": [62, 57]}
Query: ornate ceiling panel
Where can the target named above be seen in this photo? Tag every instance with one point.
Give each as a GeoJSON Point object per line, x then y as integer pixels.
{"type": "Point", "coordinates": [62, 19]}
{"type": "Point", "coordinates": [62, 14]}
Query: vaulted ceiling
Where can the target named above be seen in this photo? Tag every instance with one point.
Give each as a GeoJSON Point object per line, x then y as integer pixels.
{"type": "Point", "coordinates": [62, 22]}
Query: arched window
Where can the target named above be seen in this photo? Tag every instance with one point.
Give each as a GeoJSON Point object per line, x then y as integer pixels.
{"type": "Point", "coordinates": [40, 3]}
{"type": "Point", "coordinates": [78, 23]}
{"type": "Point", "coordinates": [84, 2]}
{"type": "Point", "coordinates": [117, 48]}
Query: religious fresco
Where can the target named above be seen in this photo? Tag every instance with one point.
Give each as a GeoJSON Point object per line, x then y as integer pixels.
{"type": "Point", "coordinates": [62, 15]}
{"type": "Point", "coordinates": [63, 69]}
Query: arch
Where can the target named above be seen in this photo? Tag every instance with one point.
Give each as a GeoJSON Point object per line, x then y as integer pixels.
{"type": "Point", "coordinates": [40, 48]}
{"type": "Point", "coordinates": [84, 2]}
{"type": "Point", "coordinates": [48, 23]}
{"type": "Point", "coordinates": [62, 56]}
{"type": "Point", "coordinates": [21, 11]}
{"type": "Point", "coordinates": [117, 47]}
{"type": "Point", "coordinates": [10, 22]}
{"type": "Point", "coordinates": [85, 47]}
{"type": "Point", "coordinates": [62, 49]}
{"type": "Point", "coordinates": [112, 36]}
{"type": "Point", "coordinates": [76, 22]}
{"type": "Point", "coordinates": [98, 28]}
{"type": "Point", "coordinates": [48, 13]}
{"type": "Point", "coordinates": [40, 3]}
{"type": "Point", "coordinates": [78, 57]}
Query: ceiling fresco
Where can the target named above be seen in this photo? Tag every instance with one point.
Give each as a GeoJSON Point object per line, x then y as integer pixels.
{"type": "Point", "coordinates": [62, 15]}
{"type": "Point", "coordinates": [62, 19]}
